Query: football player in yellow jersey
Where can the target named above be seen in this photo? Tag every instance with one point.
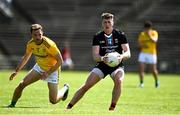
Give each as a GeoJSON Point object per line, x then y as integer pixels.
{"type": "Point", "coordinates": [47, 67]}
{"type": "Point", "coordinates": [148, 52]}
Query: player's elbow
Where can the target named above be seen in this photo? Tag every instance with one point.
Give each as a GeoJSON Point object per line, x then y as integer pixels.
{"type": "Point", "coordinates": [59, 63]}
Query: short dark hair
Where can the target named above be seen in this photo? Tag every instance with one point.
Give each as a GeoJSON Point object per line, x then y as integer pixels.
{"type": "Point", "coordinates": [35, 27]}
{"type": "Point", "coordinates": [147, 24]}
{"type": "Point", "coordinates": [107, 16]}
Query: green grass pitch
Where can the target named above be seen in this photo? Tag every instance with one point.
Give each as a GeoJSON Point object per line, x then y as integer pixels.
{"type": "Point", "coordinates": [134, 100]}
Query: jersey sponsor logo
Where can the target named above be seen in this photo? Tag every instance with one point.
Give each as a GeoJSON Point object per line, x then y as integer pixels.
{"type": "Point", "coordinates": [101, 42]}
{"type": "Point", "coordinates": [109, 47]}
{"type": "Point", "coordinates": [116, 40]}
{"type": "Point", "coordinates": [110, 50]}
{"type": "Point", "coordinates": [42, 56]}
{"type": "Point", "coordinates": [40, 52]}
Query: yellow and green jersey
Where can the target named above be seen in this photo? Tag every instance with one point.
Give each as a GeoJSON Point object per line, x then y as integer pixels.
{"type": "Point", "coordinates": [44, 53]}
{"type": "Point", "coordinates": [147, 45]}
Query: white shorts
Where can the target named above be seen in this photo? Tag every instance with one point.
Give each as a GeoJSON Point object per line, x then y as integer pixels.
{"type": "Point", "coordinates": [52, 78]}
{"type": "Point", "coordinates": [147, 58]}
{"type": "Point", "coordinates": [101, 74]}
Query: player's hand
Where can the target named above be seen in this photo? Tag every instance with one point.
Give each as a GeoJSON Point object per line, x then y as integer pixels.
{"type": "Point", "coordinates": [149, 33]}
{"type": "Point", "coordinates": [105, 59]}
{"type": "Point", "coordinates": [152, 35]}
{"type": "Point", "coordinates": [120, 58]}
{"type": "Point", "coordinates": [12, 76]}
{"type": "Point", "coordinates": [44, 75]}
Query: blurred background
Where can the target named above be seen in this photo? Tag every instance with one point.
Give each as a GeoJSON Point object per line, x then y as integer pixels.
{"type": "Point", "coordinates": [76, 21]}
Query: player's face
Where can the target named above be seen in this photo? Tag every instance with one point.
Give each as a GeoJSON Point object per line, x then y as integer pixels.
{"type": "Point", "coordinates": [107, 24]}
{"type": "Point", "coordinates": [37, 35]}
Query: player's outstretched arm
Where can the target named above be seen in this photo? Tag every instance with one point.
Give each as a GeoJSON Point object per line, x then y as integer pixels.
{"type": "Point", "coordinates": [21, 64]}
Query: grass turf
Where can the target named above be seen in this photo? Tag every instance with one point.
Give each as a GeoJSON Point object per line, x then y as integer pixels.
{"type": "Point", "coordinates": [134, 100]}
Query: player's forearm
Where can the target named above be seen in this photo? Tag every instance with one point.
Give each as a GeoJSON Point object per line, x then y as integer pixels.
{"type": "Point", "coordinates": [95, 53]}
{"type": "Point", "coordinates": [19, 66]}
{"type": "Point", "coordinates": [23, 62]}
{"type": "Point", "coordinates": [98, 58]}
{"type": "Point", "coordinates": [126, 55]}
{"type": "Point", "coordinates": [54, 68]}
{"type": "Point", "coordinates": [57, 65]}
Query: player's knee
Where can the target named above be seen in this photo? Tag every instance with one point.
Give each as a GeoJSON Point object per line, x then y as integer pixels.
{"type": "Point", "coordinates": [22, 85]}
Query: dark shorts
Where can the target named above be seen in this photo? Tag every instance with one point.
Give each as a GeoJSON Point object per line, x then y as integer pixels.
{"type": "Point", "coordinates": [106, 69]}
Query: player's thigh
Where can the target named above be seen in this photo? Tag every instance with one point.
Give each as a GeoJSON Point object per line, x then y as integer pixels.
{"type": "Point", "coordinates": [53, 89]}
{"type": "Point", "coordinates": [118, 75]}
{"type": "Point", "coordinates": [92, 79]}
{"type": "Point", "coordinates": [153, 67]}
{"type": "Point", "coordinates": [31, 77]}
{"type": "Point", "coordinates": [141, 66]}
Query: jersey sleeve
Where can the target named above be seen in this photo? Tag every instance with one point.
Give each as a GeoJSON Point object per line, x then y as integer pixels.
{"type": "Point", "coordinates": [28, 48]}
{"type": "Point", "coordinates": [140, 37]}
{"type": "Point", "coordinates": [53, 50]}
{"type": "Point", "coordinates": [123, 38]}
{"type": "Point", "coordinates": [95, 41]}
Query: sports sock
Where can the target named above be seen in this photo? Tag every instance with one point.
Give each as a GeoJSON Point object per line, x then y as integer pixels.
{"type": "Point", "coordinates": [157, 83]}
{"type": "Point", "coordinates": [66, 92]}
{"type": "Point", "coordinates": [62, 91]}
{"type": "Point", "coordinates": [13, 103]}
